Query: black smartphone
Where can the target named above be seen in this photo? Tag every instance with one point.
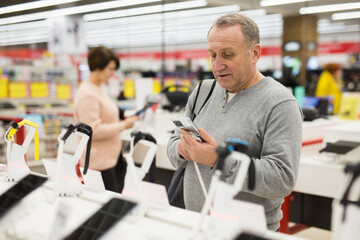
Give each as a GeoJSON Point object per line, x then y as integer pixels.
{"type": "Point", "coordinates": [20, 190]}
{"type": "Point", "coordinates": [102, 220]}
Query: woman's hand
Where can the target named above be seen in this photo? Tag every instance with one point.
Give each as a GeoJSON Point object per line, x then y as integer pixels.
{"type": "Point", "coordinates": [130, 121]}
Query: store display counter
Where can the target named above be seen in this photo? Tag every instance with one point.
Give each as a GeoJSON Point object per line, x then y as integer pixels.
{"type": "Point", "coordinates": [42, 215]}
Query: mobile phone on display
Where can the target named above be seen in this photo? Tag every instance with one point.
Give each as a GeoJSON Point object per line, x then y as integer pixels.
{"type": "Point", "coordinates": [102, 220]}
{"type": "Point", "coordinates": [20, 190]}
{"type": "Point", "coordinates": [188, 125]}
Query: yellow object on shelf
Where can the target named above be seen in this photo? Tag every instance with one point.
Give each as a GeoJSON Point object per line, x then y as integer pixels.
{"type": "Point", "coordinates": [156, 85]}
{"type": "Point", "coordinates": [349, 107]}
{"type": "Point", "coordinates": [18, 90]}
{"type": "Point", "coordinates": [63, 91]}
{"type": "Point", "coordinates": [39, 90]}
{"type": "Point", "coordinates": [129, 88]}
{"type": "Point", "coordinates": [4, 87]}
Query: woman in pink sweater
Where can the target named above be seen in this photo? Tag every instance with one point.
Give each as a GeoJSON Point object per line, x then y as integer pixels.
{"type": "Point", "coordinates": [95, 108]}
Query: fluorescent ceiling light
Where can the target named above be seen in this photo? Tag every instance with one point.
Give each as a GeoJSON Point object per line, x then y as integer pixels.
{"type": "Point", "coordinates": [26, 41]}
{"type": "Point", "coordinates": [24, 33]}
{"type": "Point", "coordinates": [256, 12]}
{"type": "Point", "coordinates": [24, 26]}
{"type": "Point", "coordinates": [346, 28]}
{"type": "Point", "coordinates": [347, 15]}
{"type": "Point", "coordinates": [37, 37]}
{"type": "Point", "coordinates": [73, 10]}
{"type": "Point", "coordinates": [268, 18]}
{"type": "Point", "coordinates": [329, 8]}
{"type": "Point", "coordinates": [135, 29]}
{"type": "Point", "coordinates": [145, 10]}
{"type": "Point", "coordinates": [167, 16]}
{"type": "Point", "coordinates": [33, 5]}
{"type": "Point", "coordinates": [202, 11]}
{"type": "Point", "coordinates": [267, 3]}
{"type": "Point", "coordinates": [145, 29]}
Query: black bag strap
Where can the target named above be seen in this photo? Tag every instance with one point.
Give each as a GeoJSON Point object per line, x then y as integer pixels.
{"type": "Point", "coordinates": [203, 94]}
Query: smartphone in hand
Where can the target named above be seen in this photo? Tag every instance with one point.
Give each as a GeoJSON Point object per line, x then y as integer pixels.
{"type": "Point", "coordinates": [140, 111]}
{"type": "Point", "coordinates": [188, 125]}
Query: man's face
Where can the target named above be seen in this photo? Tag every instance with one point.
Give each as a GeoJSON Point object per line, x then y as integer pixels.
{"type": "Point", "coordinates": [233, 64]}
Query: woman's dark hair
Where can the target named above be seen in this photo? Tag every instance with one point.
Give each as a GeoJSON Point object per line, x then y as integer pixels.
{"type": "Point", "coordinates": [99, 58]}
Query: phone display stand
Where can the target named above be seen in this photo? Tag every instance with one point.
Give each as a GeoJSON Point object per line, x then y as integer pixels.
{"type": "Point", "coordinates": [17, 167]}
{"type": "Point", "coordinates": [224, 221]}
{"type": "Point", "coordinates": [133, 186]}
{"type": "Point", "coordinates": [68, 182]}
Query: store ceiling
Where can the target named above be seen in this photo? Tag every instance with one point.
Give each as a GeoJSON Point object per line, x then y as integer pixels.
{"type": "Point", "coordinates": [285, 10]}
{"type": "Point", "coordinates": [120, 29]}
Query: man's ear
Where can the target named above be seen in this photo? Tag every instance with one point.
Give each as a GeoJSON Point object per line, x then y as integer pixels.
{"type": "Point", "coordinates": [256, 53]}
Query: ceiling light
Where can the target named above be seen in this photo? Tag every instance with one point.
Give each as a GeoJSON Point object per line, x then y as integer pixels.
{"type": "Point", "coordinates": [167, 16]}
{"type": "Point", "coordinates": [33, 5]}
{"type": "Point", "coordinates": [256, 12]}
{"type": "Point", "coordinates": [25, 40]}
{"type": "Point", "coordinates": [267, 3]}
{"type": "Point", "coordinates": [23, 26]}
{"type": "Point", "coordinates": [145, 10]}
{"type": "Point", "coordinates": [268, 18]}
{"type": "Point", "coordinates": [202, 11]}
{"type": "Point", "coordinates": [73, 10]}
{"type": "Point", "coordinates": [346, 28]}
{"type": "Point", "coordinates": [329, 8]}
{"type": "Point", "coordinates": [23, 33]}
{"type": "Point", "coordinates": [347, 15]}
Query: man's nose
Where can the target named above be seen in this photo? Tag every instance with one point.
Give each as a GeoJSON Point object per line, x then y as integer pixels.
{"type": "Point", "coordinates": [218, 65]}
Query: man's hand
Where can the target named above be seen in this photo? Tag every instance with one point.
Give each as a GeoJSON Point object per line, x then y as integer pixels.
{"type": "Point", "coordinates": [192, 150]}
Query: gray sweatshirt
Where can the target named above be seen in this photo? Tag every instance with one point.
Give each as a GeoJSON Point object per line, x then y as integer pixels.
{"type": "Point", "coordinates": [269, 118]}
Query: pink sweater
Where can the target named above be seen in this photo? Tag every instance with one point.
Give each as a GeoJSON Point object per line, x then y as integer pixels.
{"type": "Point", "coordinates": [93, 107]}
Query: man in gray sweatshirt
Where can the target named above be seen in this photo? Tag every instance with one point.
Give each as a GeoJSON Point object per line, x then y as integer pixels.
{"type": "Point", "coordinates": [244, 105]}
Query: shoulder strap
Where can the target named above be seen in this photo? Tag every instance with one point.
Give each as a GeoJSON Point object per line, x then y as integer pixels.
{"type": "Point", "coordinates": [203, 94]}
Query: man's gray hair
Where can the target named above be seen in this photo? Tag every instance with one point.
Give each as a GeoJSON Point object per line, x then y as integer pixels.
{"type": "Point", "coordinates": [249, 28]}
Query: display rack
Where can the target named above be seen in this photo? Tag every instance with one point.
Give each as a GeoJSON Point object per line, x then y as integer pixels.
{"type": "Point", "coordinates": [53, 120]}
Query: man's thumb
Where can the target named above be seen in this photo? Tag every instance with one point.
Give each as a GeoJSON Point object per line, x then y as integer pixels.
{"type": "Point", "coordinates": [206, 136]}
